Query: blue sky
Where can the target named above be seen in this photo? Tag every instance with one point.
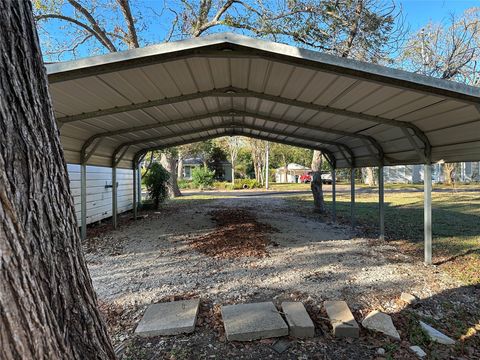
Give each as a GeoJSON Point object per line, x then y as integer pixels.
{"type": "Point", "coordinates": [419, 12]}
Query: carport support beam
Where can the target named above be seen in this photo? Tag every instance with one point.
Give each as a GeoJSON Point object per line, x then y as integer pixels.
{"type": "Point", "coordinates": [352, 197]}
{"type": "Point", "coordinates": [139, 185]}
{"type": "Point", "coordinates": [114, 196]}
{"type": "Point", "coordinates": [427, 195]}
{"type": "Point", "coordinates": [83, 201]}
{"type": "Point", "coordinates": [381, 202]}
{"type": "Point", "coordinates": [267, 165]}
{"type": "Point", "coordinates": [134, 170]}
{"type": "Point", "coordinates": [334, 194]}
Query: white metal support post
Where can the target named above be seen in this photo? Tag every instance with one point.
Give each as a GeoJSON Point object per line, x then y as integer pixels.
{"type": "Point", "coordinates": [83, 201]}
{"type": "Point", "coordinates": [267, 165]}
{"type": "Point", "coordinates": [114, 196]}
{"type": "Point", "coordinates": [427, 183]}
{"type": "Point", "coordinates": [139, 185]}
{"type": "Point", "coordinates": [381, 202]}
{"type": "Point", "coordinates": [352, 197]}
{"type": "Point", "coordinates": [134, 205]}
{"type": "Point", "coordinates": [334, 194]}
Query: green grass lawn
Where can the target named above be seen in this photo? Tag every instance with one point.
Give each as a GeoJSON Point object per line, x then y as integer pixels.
{"type": "Point", "coordinates": [456, 223]}
{"type": "Point", "coordinates": [288, 186]}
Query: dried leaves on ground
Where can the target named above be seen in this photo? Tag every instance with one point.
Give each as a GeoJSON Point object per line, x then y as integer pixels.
{"type": "Point", "coordinates": [237, 234]}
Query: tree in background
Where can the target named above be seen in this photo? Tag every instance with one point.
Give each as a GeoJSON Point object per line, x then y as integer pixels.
{"type": "Point", "coordinates": [368, 30]}
{"type": "Point", "coordinates": [47, 302]}
{"type": "Point", "coordinates": [168, 159]}
{"type": "Point", "coordinates": [156, 182]}
{"type": "Point", "coordinates": [217, 159]}
{"type": "Point", "coordinates": [244, 167]}
{"type": "Point", "coordinates": [448, 50]}
{"type": "Point", "coordinates": [316, 184]}
{"type": "Point", "coordinates": [281, 155]}
{"type": "Point", "coordinates": [257, 149]}
{"type": "Point", "coordinates": [232, 145]}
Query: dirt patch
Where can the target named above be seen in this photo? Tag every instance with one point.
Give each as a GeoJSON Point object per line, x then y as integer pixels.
{"type": "Point", "coordinates": [237, 234]}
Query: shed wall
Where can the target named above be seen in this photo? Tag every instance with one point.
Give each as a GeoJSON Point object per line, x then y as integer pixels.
{"type": "Point", "coordinates": [99, 191]}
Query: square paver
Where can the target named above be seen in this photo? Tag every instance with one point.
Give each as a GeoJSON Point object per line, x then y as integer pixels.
{"type": "Point", "coordinates": [171, 318]}
{"type": "Point", "coordinates": [247, 322]}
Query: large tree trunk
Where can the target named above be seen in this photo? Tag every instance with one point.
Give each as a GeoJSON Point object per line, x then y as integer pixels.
{"type": "Point", "coordinates": [370, 177]}
{"type": "Point", "coordinates": [47, 303]}
{"type": "Point", "coordinates": [449, 173]}
{"type": "Point", "coordinates": [316, 184]}
{"type": "Point", "coordinates": [180, 168]}
{"type": "Point", "coordinates": [170, 164]}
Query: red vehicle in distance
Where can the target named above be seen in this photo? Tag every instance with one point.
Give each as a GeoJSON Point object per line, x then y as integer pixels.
{"type": "Point", "coordinates": [306, 178]}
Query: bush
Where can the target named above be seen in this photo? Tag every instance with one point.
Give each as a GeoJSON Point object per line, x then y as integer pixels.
{"type": "Point", "coordinates": [223, 185]}
{"type": "Point", "coordinates": [203, 178]}
{"type": "Point", "coordinates": [156, 182]}
{"type": "Point", "coordinates": [185, 184]}
{"type": "Point", "coordinates": [239, 184]}
{"type": "Point", "coordinates": [246, 184]}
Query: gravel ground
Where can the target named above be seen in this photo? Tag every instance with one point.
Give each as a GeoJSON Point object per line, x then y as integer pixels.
{"type": "Point", "coordinates": [153, 260]}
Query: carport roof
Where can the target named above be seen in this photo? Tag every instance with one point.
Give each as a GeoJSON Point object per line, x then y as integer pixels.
{"type": "Point", "coordinates": [112, 108]}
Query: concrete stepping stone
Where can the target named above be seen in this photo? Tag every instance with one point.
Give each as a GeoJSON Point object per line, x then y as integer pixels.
{"type": "Point", "coordinates": [298, 320]}
{"type": "Point", "coordinates": [436, 335]}
{"type": "Point", "coordinates": [342, 320]}
{"type": "Point", "coordinates": [247, 322]}
{"type": "Point", "coordinates": [171, 318]}
{"type": "Point", "coordinates": [378, 321]}
{"type": "Point", "coordinates": [418, 351]}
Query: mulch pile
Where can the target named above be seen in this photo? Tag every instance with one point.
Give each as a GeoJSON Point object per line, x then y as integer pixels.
{"type": "Point", "coordinates": [237, 234]}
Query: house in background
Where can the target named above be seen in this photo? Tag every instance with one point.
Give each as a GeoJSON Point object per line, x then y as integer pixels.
{"type": "Point", "coordinates": [223, 169]}
{"type": "Point", "coordinates": [413, 174]}
{"type": "Point", "coordinates": [291, 173]}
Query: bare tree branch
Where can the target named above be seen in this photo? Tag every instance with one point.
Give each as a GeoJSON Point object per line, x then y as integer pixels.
{"type": "Point", "coordinates": [127, 14]}
{"type": "Point", "coordinates": [215, 20]}
{"type": "Point", "coordinates": [75, 22]}
{"type": "Point", "coordinates": [101, 33]}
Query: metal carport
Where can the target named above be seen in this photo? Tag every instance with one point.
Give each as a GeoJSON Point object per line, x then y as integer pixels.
{"type": "Point", "coordinates": [112, 109]}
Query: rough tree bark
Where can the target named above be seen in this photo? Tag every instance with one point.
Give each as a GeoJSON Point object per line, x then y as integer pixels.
{"type": "Point", "coordinates": [449, 173]}
{"type": "Point", "coordinates": [180, 167]}
{"type": "Point", "coordinates": [316, 184]}
{"type": "Point", "coordinates": [48, 308]}
{"type": "Point", "coordinates": [169, 162]}
{"type": "Point", "coordinates": [370, 176]}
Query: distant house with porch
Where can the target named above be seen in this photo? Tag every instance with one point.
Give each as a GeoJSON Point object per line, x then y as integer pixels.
{"type": "Point", "coordinates": [291, 173]}
{"type": "Point", "coordinates": [223, 169]}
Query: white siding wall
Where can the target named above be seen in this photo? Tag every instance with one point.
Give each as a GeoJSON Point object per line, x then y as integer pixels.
{"type": "Point", "coordinates": [469, 171]}
{"type": "Point", "coordinates": [99, 197]}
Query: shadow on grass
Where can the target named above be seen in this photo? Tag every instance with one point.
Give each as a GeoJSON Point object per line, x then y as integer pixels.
{"type": "Point", "coordinates": [450, 225]}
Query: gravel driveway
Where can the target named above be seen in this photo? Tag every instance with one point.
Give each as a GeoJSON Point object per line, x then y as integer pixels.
{"type": "Point", "coordinates": [152, 260]}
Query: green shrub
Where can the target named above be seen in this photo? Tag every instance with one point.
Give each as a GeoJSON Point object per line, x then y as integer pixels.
{"type": "Point", "coordinates": [239, 184]}
{"type": "Point", "coordinates": [223, 185]}
{"type": "Point", "coordinates": [156, 182]}
{"type": "Point", "coordinates": [202, 178]}
{"type": "Point", "coordinates": [185, 184]}
{"type": "Point", "coordinates": [246, 184]}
